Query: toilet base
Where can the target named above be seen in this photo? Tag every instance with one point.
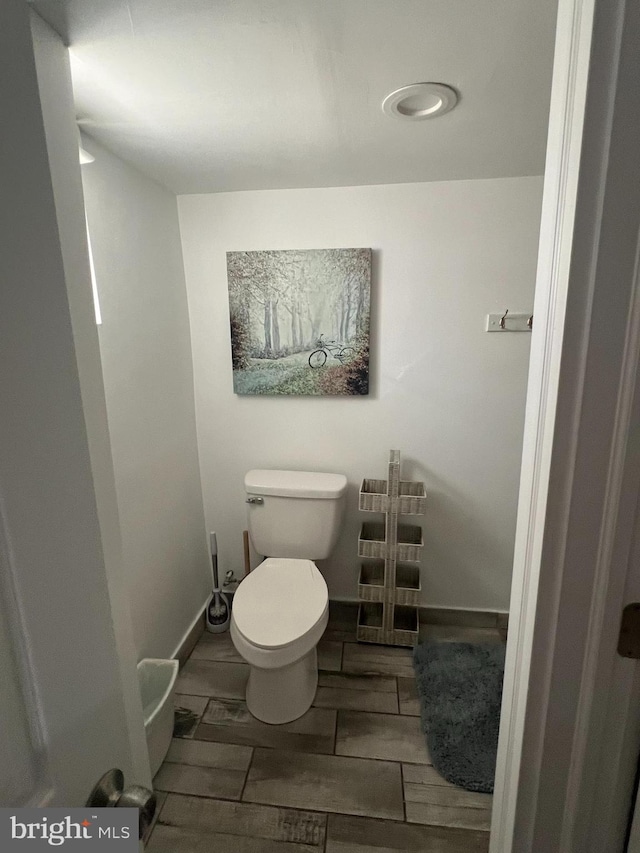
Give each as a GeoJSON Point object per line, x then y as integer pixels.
{"type": "Point", "coordinates": [281, 695]}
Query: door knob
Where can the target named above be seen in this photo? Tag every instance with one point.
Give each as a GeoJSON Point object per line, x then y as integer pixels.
{"type": "Point", "coordinates": [111, 793]}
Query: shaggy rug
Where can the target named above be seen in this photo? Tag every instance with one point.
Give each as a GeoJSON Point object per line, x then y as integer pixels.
{"type": "Point", "coordinates": [460, 689]}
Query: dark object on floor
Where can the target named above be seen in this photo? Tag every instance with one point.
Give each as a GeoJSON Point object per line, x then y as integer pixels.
{"type": "Point", "coordinates": [184, 721]}
{"type": "Point", "coordinates": [460, 689]}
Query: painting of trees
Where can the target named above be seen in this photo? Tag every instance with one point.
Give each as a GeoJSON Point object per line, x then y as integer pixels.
{"type": "Point", "coordinates": [286, 305]}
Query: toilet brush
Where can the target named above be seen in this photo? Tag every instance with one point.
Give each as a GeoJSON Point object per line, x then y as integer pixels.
{"type": "Point", "coordinates": [217, 612]}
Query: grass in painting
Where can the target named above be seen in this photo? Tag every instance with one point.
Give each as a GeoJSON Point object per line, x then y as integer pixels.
{"type": "Point", "coordinates": [269, 377]}
{"type": "Point", "coordinates": [293, 375]}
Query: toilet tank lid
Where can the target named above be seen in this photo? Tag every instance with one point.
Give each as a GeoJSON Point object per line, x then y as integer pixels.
{"type": "Point", "coordinates": [295, 484]}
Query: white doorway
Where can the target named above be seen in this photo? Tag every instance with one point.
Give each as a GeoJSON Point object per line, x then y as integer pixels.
{"type": "Point", "coordinates": [70, 705]}
{"type": "Point", "coordinates": [569, 721]}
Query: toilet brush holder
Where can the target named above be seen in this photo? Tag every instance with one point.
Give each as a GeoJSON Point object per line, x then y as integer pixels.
{"type": "Point", "coordinates": [217, 613]}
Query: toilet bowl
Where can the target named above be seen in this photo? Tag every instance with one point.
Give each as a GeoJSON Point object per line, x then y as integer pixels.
{"type": "Point", "coordinates": [279, 613]}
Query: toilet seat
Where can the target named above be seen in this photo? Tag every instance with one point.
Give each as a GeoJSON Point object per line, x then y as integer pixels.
{"type": "Point", "coordinates": [280, 602]}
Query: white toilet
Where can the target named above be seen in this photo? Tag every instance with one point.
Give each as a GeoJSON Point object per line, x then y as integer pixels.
{"type": "Point", "coordinates": [281, 608]}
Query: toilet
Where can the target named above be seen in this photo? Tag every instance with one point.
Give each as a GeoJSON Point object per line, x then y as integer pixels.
{"type": "Point", "coordinates": [281, 608]}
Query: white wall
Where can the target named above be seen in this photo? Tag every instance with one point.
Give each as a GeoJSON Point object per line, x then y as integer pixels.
{"type": "Point", "coordinates": [53, 568]}
{"type": "Point", "coordinates": [58, 114]}
{"type": "Point", "coordinates": [146, 356]}
{"type": "Point", "coordinates": [446, 393]}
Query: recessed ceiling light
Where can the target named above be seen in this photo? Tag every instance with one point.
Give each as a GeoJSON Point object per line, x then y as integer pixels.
{"type": "Point", "coordinates": [420, 101]}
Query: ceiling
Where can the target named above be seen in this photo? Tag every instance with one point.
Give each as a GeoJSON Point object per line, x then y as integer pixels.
{"type": "Point", "coordinates": [219, 95]}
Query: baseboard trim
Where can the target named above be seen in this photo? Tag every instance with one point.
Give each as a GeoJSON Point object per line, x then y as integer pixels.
{"type": "Point", "coordinates": [450, 615]}
{"type": "Point", "coordinates": [462, 617]}
{"type": "Point", "coordinates": [191, 637]}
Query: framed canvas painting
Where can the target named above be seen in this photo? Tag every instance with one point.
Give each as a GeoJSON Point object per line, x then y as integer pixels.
{"type": "Point", "coordinates": [300, 321]}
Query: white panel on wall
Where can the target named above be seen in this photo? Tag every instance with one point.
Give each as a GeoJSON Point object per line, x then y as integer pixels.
{"type": "Point", "coordinates": [146, 359]}
{"type": "Point", "coordinates": [18, 751]}
{"type": "Point", "coordinates": [445, 393]}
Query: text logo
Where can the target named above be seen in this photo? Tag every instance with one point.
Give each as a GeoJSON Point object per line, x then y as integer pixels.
{"type": "Point", "coordinates": [32, 829]}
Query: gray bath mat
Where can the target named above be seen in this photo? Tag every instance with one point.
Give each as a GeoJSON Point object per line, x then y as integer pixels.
{"type": "Point", "coordinates": [460, 689]}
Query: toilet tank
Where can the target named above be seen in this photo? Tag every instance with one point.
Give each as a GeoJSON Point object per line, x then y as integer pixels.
{"type": "Point", "coordinates": [294, 513]}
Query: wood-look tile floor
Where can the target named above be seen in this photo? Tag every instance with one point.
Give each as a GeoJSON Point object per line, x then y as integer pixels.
{"type": "Point", "coordinates": [353, 775]}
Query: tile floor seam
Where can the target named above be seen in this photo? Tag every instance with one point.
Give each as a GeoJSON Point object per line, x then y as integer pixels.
{"type": "Point", "coordinates": [298, 752]}
{"type": "Point", "coordinates": [190, 695]}
{"type": "Point", "coordinates": [169, 761]}
{"type": "Point", "coordinates": [446, 806]}
{"type": "Point", "coordinates": [288, 749]}
{"type": "Point", "coordinates": [404, 798]}
{"type": "Point", "coordinates": [399, 761]}
{"type": "Point", "coordinates": [301, 809]}
{"type": "Point", "coordinates": [335, 734]}
{"type": "Point", "coordinates": [204, 797]}
{"type": "Point", "coordinates": [311, 810]}
{"type": "Point", "coordinates": [246, 775]}
{"type": "Point", "coordinates": [371, 674]}
{"type": "Point", "coordinates": [351, 710]}
{"type": "Point", "coordinates": [399, 822]}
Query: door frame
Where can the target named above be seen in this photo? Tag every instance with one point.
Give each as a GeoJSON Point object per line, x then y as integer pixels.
{"type": "Point", "coordinates": [560, 740]}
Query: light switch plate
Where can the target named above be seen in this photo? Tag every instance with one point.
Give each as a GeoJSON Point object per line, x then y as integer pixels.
{"type": "Point", "coordinates": [512, 322]}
